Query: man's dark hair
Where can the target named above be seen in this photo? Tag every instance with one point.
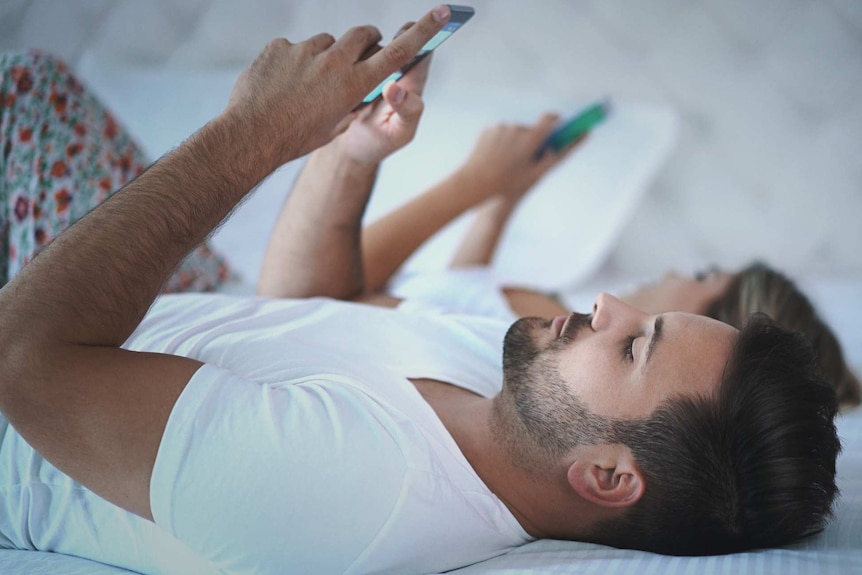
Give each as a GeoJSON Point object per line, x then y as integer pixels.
{"type": "Point", "coordinates": [751, 467]}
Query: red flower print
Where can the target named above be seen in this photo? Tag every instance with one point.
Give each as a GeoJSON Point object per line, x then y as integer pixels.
{"type": "Point", "coordinates": [37, 211]}
{"type": "Point", "coordinates": [10, 100]}
{"type": "Point", "coordinates": [23, 80]}
{"type": "Point", "coordinates": [41, 236]}
{"type": "Point", "coordinates": [110, 126]}
{"type": "Point", "coordinates": [63, 199]}
{"type": "Point", "coordinates": [58, 99]}
{"type": "Point", "coordinates": [80, 129]}
{"type": "Point", "coordinates": [58, 170]}
{"type": "Point", "coordinates": [105, 184]}
{"type": "Point", "coordinates": [74, 86]}
{"type": "Point", "coordinates": [25, 134]}
{"type": "Point", "coordinates": [24, 84]}
{"type": "Point", "coordinates": [73, 150]}
{"type": "Point", "coordinates": [22, 208]}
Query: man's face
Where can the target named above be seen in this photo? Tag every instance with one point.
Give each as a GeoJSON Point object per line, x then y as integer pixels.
{"type": "Point", "coordinates": [567, 378]}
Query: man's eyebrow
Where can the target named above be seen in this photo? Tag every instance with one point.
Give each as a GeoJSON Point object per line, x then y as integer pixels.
{"type": "Point", "coordinates": [656, 336]}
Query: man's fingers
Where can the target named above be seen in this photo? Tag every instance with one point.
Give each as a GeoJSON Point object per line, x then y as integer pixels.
{"type": "Point", "coordinates": [321, 42]}
{"type": "Point", "coordinates": [370, 51]}
{"type": "Point", "coordinates": [415, 78]}
{"type": "Point", "coordinates": [400, 51]}
{"type": "Point", "coordinates": [359, 42]}
{"type": "Point", "coordinates": [404, 28]}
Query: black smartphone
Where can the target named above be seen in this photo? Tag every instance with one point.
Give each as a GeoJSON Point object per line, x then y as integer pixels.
{"type": "Point", "coordinates": [573, 128]}
{"type": "Point", "coordinates": [459, 15]}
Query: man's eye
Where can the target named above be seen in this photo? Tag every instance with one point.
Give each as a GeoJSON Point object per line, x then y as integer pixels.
{"type": "Point", "coordinates": [629, 349]}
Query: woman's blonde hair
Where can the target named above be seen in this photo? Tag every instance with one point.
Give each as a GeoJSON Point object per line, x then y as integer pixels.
{"type": "Point", "coordinates": [759, 288]}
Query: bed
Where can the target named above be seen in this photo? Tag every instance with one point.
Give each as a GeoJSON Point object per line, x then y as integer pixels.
{"type": "Point", "coordinates": [618, 164]}
{"type": "Point", "coordinates": [614, 173]}
{"type": "Point", "coordinates": [836, 550]}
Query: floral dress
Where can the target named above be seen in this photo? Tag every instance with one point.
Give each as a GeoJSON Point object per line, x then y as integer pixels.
{"type": "Point", "coordinates": [61, 154]}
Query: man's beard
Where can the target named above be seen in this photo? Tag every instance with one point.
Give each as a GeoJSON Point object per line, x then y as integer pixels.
{"type": "Point", "coordinates": [537, 416]}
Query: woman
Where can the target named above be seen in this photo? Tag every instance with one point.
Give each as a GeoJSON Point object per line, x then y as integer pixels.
{"type": "Point", "coordinates": [62, 154]}
{"type": "Point", "coordinates": [503, 160]}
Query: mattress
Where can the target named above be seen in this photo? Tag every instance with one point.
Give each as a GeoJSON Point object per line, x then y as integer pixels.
{"type": "Point", "coordinates": [735, 131]}
{"type": "Point", "coordinates": [838, 549]}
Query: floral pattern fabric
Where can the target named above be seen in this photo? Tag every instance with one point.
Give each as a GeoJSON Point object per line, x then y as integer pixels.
{"type": "Point", "coordinates": [62, 154]}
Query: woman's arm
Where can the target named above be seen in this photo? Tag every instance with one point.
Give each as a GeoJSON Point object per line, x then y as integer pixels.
{"type": "Point", "coordinates": [479, 244]}
{"type": "Point", "coordinates": [319, 227]}
{"type": "Point", "coordinates": [388, 242]}
{"type": "Point", "coordinates": [501, 169]}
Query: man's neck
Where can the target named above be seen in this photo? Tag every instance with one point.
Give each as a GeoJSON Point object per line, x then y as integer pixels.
{"type": "Point", "coordinates": [467, 417]}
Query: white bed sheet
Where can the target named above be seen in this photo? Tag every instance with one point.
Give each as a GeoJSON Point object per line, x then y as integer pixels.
{"type": "Point", "coordinates": [837, 550]}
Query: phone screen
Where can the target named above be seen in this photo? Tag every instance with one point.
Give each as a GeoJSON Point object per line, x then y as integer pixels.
{"type": "Point", "coordinates": [459, 15]}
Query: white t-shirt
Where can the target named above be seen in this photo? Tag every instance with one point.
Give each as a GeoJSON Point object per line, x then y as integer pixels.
{"type": "Point", "coordinates": [301, 447]}
{"type": "Point", "coordinates": [470, 290]}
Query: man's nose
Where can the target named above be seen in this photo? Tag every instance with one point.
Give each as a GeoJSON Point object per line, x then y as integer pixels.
{"type": "Point", "coordinates": [608, 310]}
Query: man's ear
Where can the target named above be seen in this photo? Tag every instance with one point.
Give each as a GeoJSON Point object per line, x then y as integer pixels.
{"type": "Point", "coordinates": [606, 475]}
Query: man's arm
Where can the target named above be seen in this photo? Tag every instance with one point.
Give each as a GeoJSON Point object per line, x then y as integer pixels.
{"type": "Point", "coordinates": [98, 412]}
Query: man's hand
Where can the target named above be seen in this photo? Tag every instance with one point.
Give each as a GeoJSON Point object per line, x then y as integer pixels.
{"type": "Point", "coordinates": [307, 90]}
{"type": "Point", "coordinates": [98, 412]}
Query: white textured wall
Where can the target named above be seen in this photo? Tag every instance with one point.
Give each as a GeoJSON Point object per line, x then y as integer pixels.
{"type": "Point", "coordinates": [769, 92]}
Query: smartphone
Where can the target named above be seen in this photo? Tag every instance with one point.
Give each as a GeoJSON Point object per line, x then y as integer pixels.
{"type": "Point", "coordinates": [575, 127]}
{"type": "Point", "coordinates": [459, 15]}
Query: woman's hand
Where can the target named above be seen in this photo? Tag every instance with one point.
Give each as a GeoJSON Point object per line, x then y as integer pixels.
{"type": "Point", "coordinates": [296, 97]}
{"type": "Point", "coordinates": [503, 164]}
{"type": "Point", "coordinates": [389, 124]}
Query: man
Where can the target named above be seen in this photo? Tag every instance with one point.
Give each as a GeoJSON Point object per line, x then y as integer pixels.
{"type": "Point", "coordinates": [271, 436]}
